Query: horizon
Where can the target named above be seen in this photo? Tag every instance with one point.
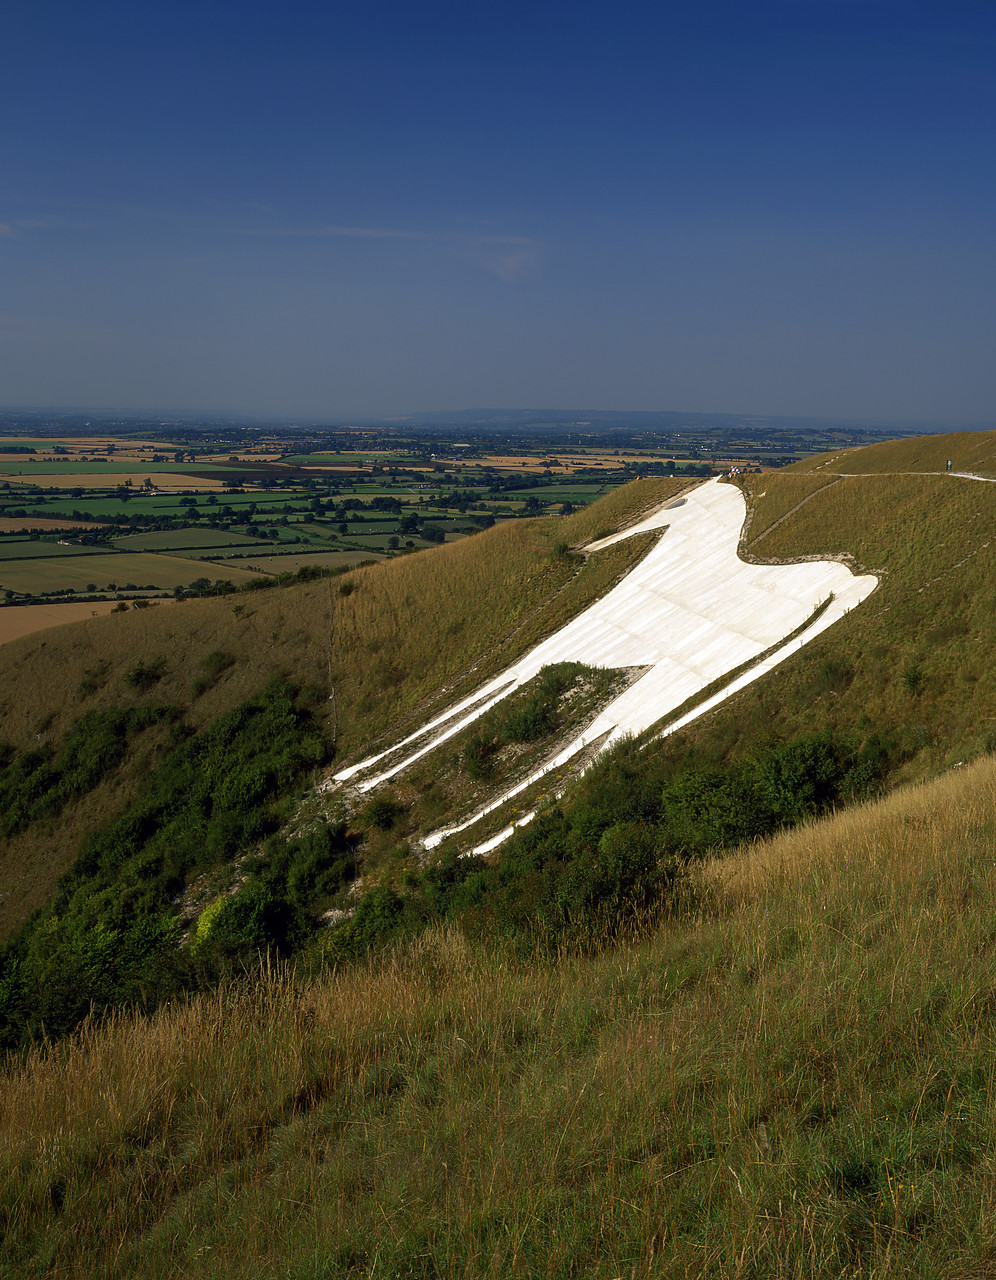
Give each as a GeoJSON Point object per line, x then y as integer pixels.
{"type": "Point", "coordinates": [455, 418]}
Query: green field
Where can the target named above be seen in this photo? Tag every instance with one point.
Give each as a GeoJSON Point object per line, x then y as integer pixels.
{"type": "Point", "coordinates": [348, 459]}
{"type": "Point", "coordinates": [248, 549]}
{"type": "Point", "coordinates": [103, 506]}
{"type": "Point", "coordinates": [33, 444]}
{"type": "Point", "coordinates": [559, 492]}
{"type": "Point", "coordinates": [144, 569]}
{"type": "Point", "coordinates": [185, 539]}
{"type": "Point", "coordinates": [25, 549]}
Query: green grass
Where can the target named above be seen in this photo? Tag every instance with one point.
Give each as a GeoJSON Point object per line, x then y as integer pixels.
{"type": "Point", "coordinates": [57, 573]}
{"type": "Point", "coordinates": [185, 539]}
{"type": "Point", "coordinates": [25, 549]}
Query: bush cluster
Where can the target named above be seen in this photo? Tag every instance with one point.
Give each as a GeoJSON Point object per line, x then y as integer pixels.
{"type": "Point", "coordinates": [108, 937]}
{"type": "Point", "coordinates": [625, 842]}
{"type": "Point", "coordinates": [38, 784]}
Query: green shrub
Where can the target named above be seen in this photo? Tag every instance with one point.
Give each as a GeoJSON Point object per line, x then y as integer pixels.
{"type": "Point", "coordinates": [217, 663]}
{"type": "Point", "coordinates": [212, 795]}
{"type": "Point", "coordinates": [382, 812]}
{"type": "Point", "coordinates": [377, 919]}
{"type": "Point", "coordinates": [255, 919]}
{"type": "Point", "coordinates": [145, 675]}
{"type": "Point", "coordinates": [478, 757]}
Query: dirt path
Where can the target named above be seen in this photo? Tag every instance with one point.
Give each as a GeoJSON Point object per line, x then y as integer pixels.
{"type": "Point", "coordinates": [781, 519]}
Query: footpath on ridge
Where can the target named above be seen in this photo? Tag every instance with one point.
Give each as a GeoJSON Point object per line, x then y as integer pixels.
{"type": "Point", "coordinates": [692, 611]}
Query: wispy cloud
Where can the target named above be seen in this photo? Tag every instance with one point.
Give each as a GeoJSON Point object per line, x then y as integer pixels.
{"type": "Point", "coordinates": [17, 226]}
{"type": "Point", "coordinates": [366, 233]}
{"type": "Point", "coordinates": [510, 259]}
{"type": "Point", "coordinates": [507, 257]}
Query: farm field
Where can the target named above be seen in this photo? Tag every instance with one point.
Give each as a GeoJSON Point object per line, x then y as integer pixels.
{"type": "Point", "coordinates": [25, 549]}
{"type": "Point", "coordinates": [99, 504]}
{"type": "Point", "coordinates": [352, 459]}
{"type": "Point", "coordinates": [102, 478]}
{"type": "Point", "coordinates": [559, 492]}
{"type": "Point", "coordinates": [184, 539]}
{"type": "Point", "coordinates": [250, 548]}
{"type": "Point", "coordinates": [325, 559]}
{"type": "Point", "coordinates": [25, 619]}
{"type": "Point", "coordinates": [144, 569]}
{"type": "Point", "coordinates": [44, 467]}
{"type": "Point", "coordinates": [18, 524]}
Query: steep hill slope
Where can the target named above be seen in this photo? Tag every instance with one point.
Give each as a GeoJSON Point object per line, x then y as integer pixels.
{"type": "Point", "coordinates": [391, 638]}
{"type": "Point", "coordinates": [792, 1077]}
{"type": "Point", "coordinates": [160, 804]}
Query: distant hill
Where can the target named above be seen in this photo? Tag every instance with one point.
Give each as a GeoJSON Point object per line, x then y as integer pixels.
{"type": "Point", "coordinates": [654, 420]}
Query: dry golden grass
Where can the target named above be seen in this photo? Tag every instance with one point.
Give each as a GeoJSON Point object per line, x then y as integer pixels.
{"type": "Point", "coordinates": [967, 450]}
{"type": "Point", "coordinates": [24, 620]}
{"type": "Point", "coordinates": [914, 832]}
{"type": "Point", "coordinates": [622, 507]}
{"type": "Point", "coordinates": [794, 1080]}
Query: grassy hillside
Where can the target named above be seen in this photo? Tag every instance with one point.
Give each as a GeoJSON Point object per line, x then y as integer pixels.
{"type": "Point", "coordinates": [395, 638]}
{"type": "Point", "coordinates": [791, 1077]}
{"type": "Point", "coordinates": [605, 1051]}
{"type": "Point", "coordinates": [967, 450]}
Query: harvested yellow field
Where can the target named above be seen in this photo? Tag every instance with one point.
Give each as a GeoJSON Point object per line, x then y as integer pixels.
{"type": "Point", "coordinates": [25, 619]}
{"type": "Point", "coordinates": [162, 480]}
{"type": "Point", "coordinates": [568, 464]}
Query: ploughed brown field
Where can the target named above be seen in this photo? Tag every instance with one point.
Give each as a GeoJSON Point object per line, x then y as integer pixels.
{"type": "Point", "coordinates": [14, 524]}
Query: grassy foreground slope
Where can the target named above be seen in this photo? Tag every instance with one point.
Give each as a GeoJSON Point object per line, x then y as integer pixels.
{"type": "Point", "coordinates": [394, 638]}
{"type": "Point", "coordinates": [792, 1077]}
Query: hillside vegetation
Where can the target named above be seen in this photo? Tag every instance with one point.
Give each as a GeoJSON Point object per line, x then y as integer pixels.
{"type": "Point", "coordinates": [791, 1077]}
{"type": "Point", "coordinates": [724, 1009]}
{"type": "Point", "coordinates": [394, 638]}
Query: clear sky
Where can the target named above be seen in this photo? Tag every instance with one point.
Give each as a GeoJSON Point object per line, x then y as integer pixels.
{"type": "Point", "coordinates": [334, 210]}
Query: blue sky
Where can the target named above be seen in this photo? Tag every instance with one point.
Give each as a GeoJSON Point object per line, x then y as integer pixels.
{"type": "Point", "coordinates": [330, 211]}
